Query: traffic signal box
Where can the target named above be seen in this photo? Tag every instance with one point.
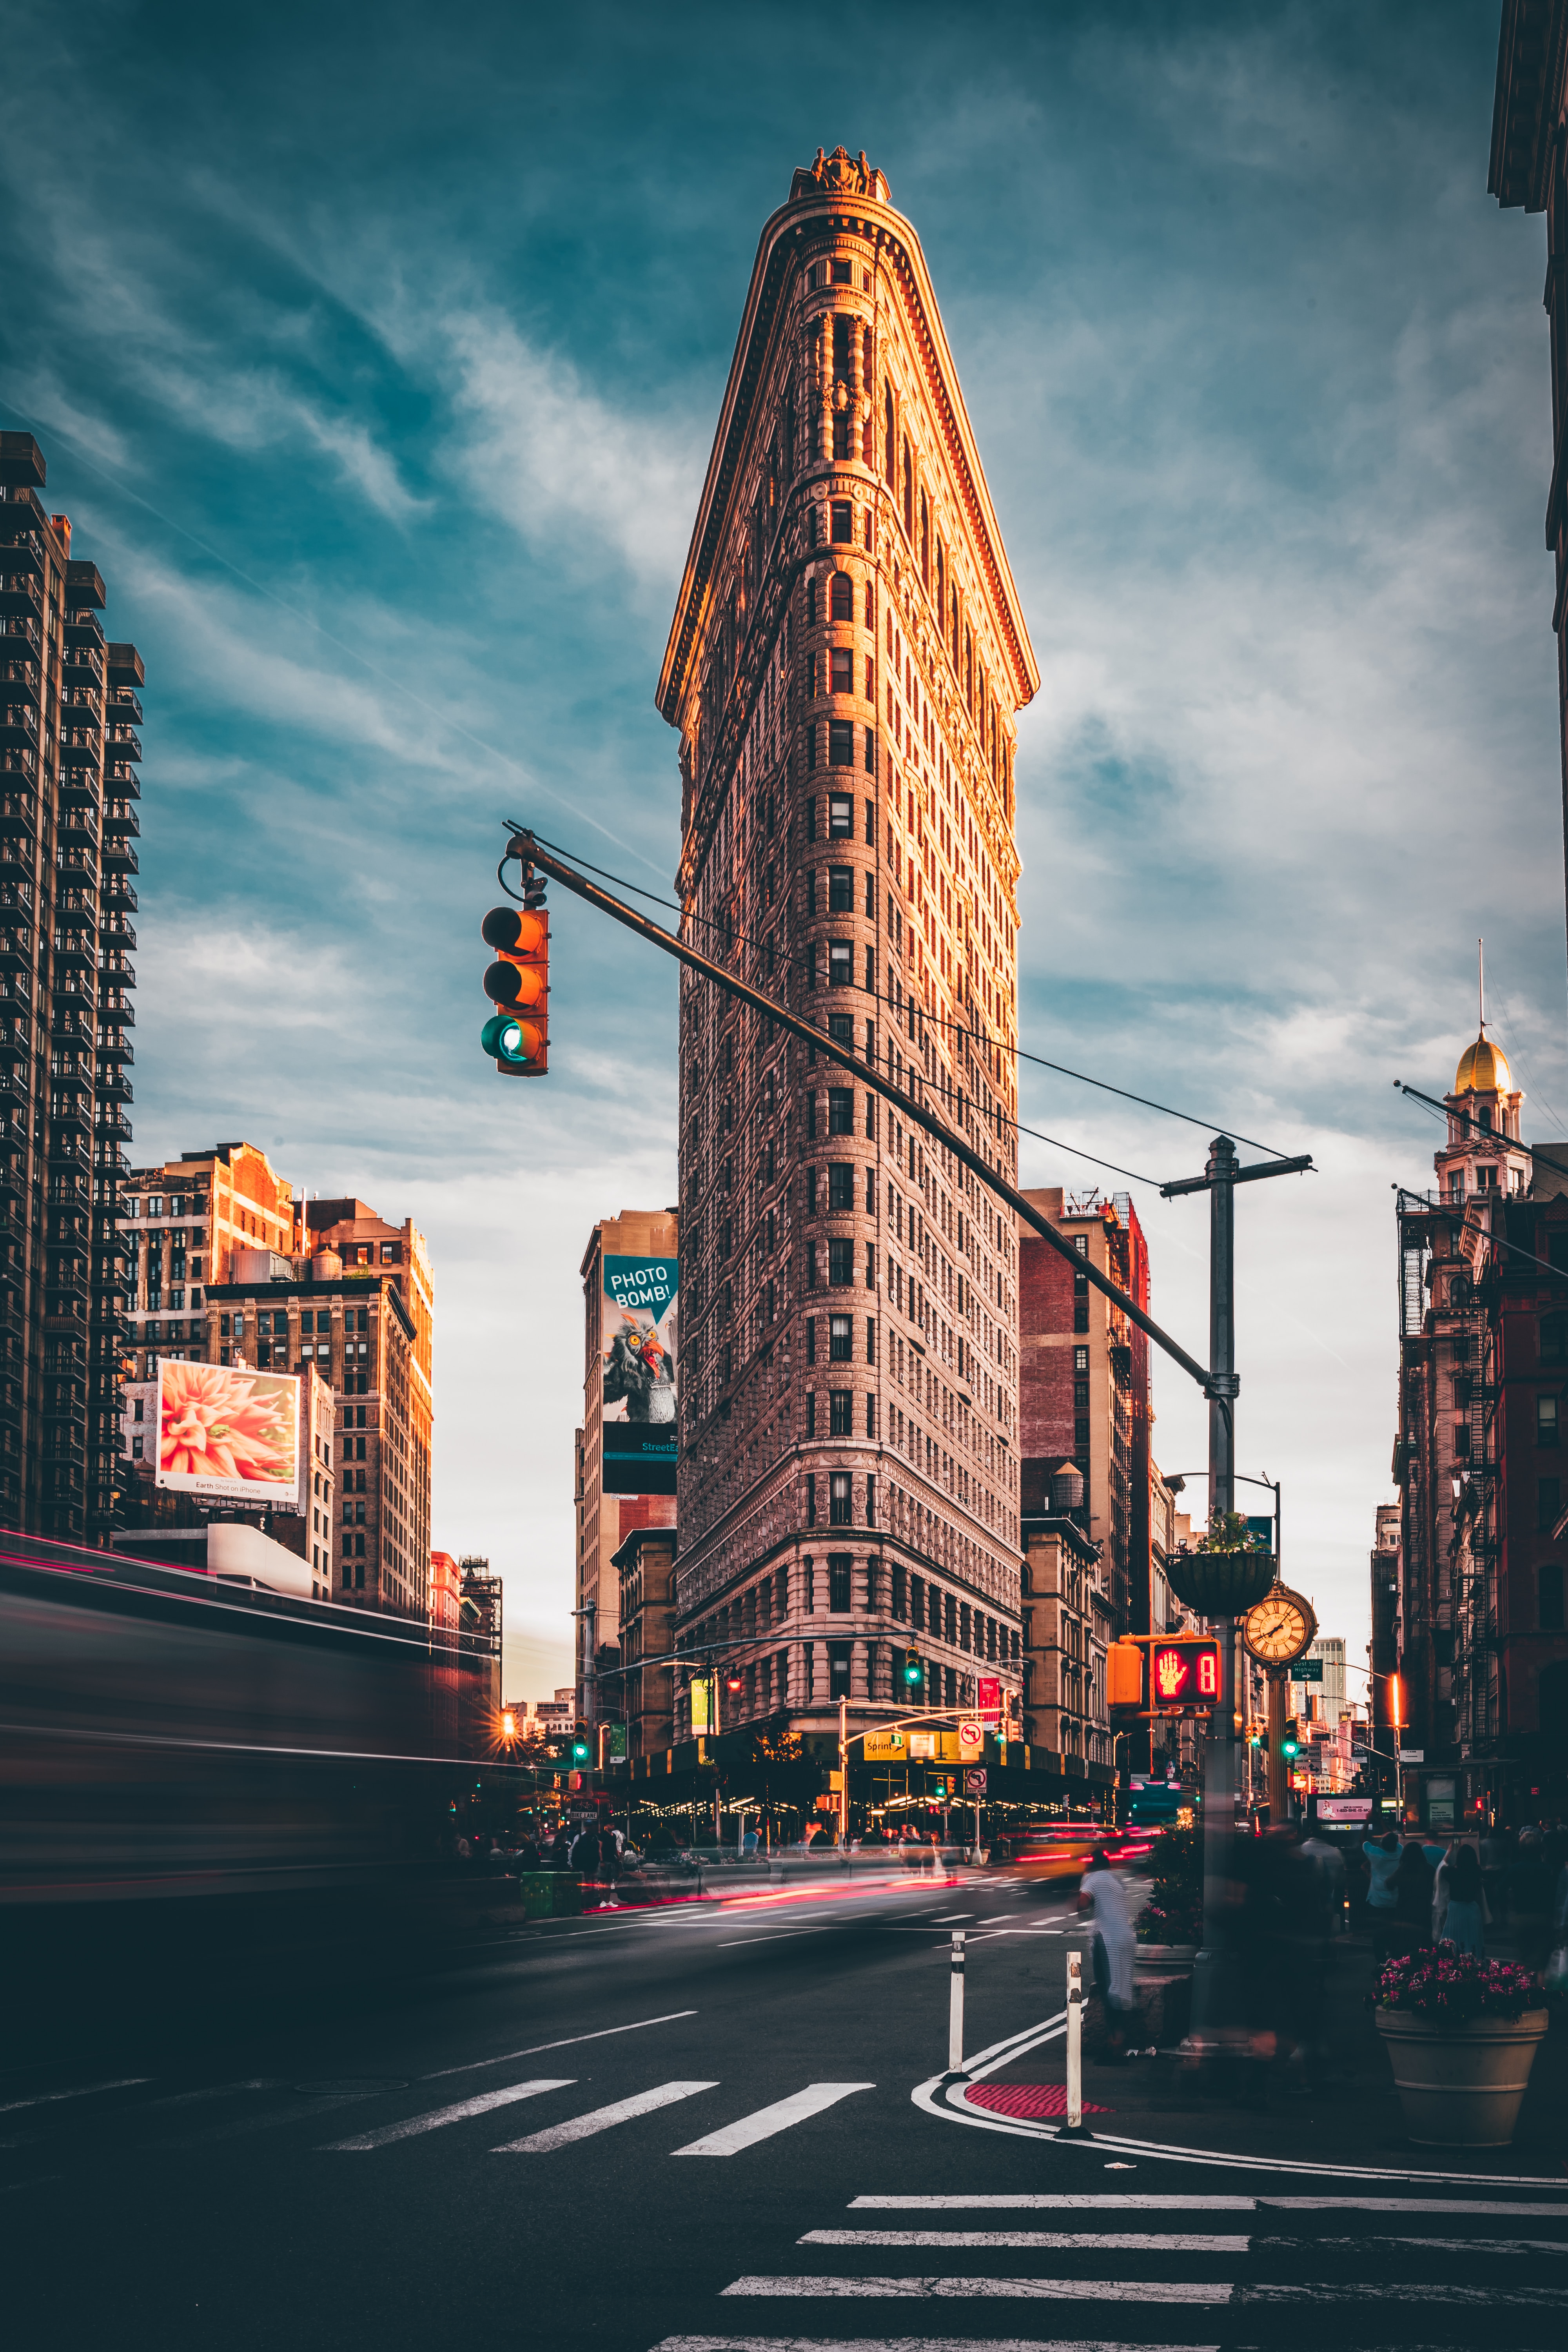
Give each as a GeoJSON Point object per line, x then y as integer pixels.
{"type": "Point", "coordinates": [1162, 1674]}
{"type": "Point", "coordinates": [517, 1037]}
{"type": "Point", "coordinates": [914, 1674]}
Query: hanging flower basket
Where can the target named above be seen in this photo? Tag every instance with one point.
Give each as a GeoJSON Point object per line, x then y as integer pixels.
{"type": "Point", "coordinates": [1220, 1583]}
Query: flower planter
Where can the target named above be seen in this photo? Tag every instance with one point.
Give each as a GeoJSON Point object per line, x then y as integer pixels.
{"type": "Point", "coordinates": [1165, 1959]}
{"type": "Point", "coordinates": [1460, 2085]}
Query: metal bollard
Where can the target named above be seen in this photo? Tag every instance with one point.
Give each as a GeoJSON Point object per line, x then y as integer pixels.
{"type": "Point", "coordinates": [955, 2007]}
{"type": "Point", "coordinates": [1075, 2041]}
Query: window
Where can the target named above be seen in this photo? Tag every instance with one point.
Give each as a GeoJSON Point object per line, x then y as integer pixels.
{"type": "Point", "coordinates": [841, 1185]}
{"type": "Point", "coordinates": [838, 1582]}
{"type": "Point", "coordinates": [870, 1320]}
{"type": "Point", "coordinates": [811, 1338]}
{"type": "Point", "coordinates": [1081, 1316]}
{"type": "Point", "coordinates": [1554, 1339]}
{"type": "Point", "coordinates": [1546, 1421]}
{"type": "Point", "coordinates": [811, 1412]}
{"type": "Point", "coordinates": [870, 1414]}
{"type": "Point", "coordinates": [838, 1499]}
{"type": "Point", "coordinates": [841, 1341]}
{"type": "Point", "coordinates": [841, 671]}
{"type": "Point", "coordinates": [896, 1604]}
{"type": "Point", "coordinates": [841, 889]}
{"type": "Point", "coordinates": [1557, 1250]}
{"type": "Point", "coordinates": [842, 536]}
{"type": "Point", "coordinates": [838, 1657]}
{"type": "Point", "coordinates": [840, 1110]}
{"type": "Point", "coordinates": [871, 750]}
{"type": "Point", "coordinates": [841, 277]}
{"type": "Point", "coordinates": [1080, 1360]}
{"type": "Point", "coordinates": [840, 816]}
{"type": "Point", "coordinates": [1549, 1584]}
{"type": "Point", "coordinates": [840, 743]}
{"type": "Point", "coordinates": [840, 1419]}
{"type": "Point", "coordinates": [1548, 1503]}
{"type": "Point", "coordinates": [840, 963]}
{"type": "Point", "coordinates": [811, 1498]}
{"type": "Point", "coordinates": [840, 1262]}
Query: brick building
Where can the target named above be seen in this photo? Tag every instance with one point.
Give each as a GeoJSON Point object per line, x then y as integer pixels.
{"type": "Point", "coordinates": [68, 749]}
{"type": "Point", "coordinates": [610, 1497]}
{"type": "Point", "coordinates": [229, 1266]}
{"type": "Point", "coordinates": [1476, 1632]}
{"type": "Point", "coordinates": [844, 664]}
{"type": "Point", "coordinates": [1084, 1384]}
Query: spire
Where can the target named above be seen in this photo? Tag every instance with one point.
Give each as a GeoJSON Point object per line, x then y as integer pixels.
{"type": "Point", "coordinates": [1481, 982]}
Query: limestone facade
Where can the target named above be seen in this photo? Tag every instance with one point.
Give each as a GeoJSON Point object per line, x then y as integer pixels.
{"type": "Point", "coordinates": [845, 665]}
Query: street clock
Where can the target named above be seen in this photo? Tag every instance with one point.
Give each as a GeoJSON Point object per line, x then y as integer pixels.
{"type": "Point", "coordinates": [1280, 1628]}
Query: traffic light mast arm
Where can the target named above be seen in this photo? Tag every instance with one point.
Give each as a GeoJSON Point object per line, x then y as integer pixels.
{"type": "Point", "coordinates": [524, 846]}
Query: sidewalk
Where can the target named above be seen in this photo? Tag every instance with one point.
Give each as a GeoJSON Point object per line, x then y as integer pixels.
{"type": "Point", "coordinates": [1342, 2112]}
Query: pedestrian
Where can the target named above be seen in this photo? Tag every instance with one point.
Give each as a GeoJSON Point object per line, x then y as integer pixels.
{"type": "Point", "coordinates": [1382, 1862]}
{"type": "Point", "coordinates": [1460, 1914]}
{"type": "Point", "coordinates": [1332, 1863]}
{"type": "Point", "coordinates": [1115, 1949]}
{"type": "Point", "coordinates": [1412, 1899]}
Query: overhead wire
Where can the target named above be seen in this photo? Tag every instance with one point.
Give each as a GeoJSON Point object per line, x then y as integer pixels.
{"type": "Point", "coordinates": [979, 1032]}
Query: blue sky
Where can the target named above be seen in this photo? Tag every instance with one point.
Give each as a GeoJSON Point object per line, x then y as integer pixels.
{"type": "Point", "coordinates": [376, 354]}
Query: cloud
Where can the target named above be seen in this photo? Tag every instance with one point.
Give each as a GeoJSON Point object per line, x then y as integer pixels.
{"type": "Point", "coordinates": [552, 453]}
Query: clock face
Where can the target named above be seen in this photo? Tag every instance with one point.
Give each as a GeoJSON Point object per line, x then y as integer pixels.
{"type": "Point", "coordinates": [1279, 1628]}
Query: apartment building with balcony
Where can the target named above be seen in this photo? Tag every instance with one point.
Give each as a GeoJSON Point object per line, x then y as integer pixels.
{"type": "Point", "coordinates": [69, 745]}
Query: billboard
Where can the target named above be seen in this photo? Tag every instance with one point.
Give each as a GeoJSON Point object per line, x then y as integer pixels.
{"type": "Point", "coordinates": [637, 1341]}
{"type": "Point", "coordinates": [229, 1435]}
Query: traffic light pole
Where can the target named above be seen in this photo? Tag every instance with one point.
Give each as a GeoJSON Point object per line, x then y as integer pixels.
{"type": "Point", "coordinates": [1213, 1979]}
{"type": "Point", "coordinates": [524, 847]}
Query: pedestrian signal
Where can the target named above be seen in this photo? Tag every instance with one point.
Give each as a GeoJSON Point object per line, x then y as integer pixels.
{"type": "Point", "coordinates": [1124, 1673]}
{"type": "Point", "coordinates": [517, 1038]}
{"type": "Point", "coordinates": [914, 1672]}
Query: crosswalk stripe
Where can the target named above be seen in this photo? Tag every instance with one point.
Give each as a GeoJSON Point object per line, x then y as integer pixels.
{"type": "Point", "coordinates": [1067, 2241]}
{"type": "Point", "coordinates": [1424, 2245]}
{"type": "Point", "coordinates": [82, 2091]}
{"type": "Point", "coordinates": [458, 2113]}
{"type": "Point", "coordinates": [765, 2121]}
{"type": "Point", "coordinates": [1041, 2202]}
{"type": "Point", "coordinates": [600, 2119]}
{"type": "Point", "coordinates": [1206, 2292]}
{"type": "Point", "coordinates": [1017, 2290]}
{"type": "Point", "coordinates": [912, 2343]}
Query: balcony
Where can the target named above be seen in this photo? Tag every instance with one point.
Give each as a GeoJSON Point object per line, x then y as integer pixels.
{"type": "Point", "coordinates": [123, 703]}
{"type": "Point", "coordinates": [82, 665]}
{"type": "Point", "coordinates": [112, 1047]}
{"type": "Point", "coordinates": [122, 741]}
{"type": "Point", "coordinates": [114, 1085]}
{"type": "Point", "coordinates": [15, 626]}
{"type": "Point", "coordinates": [115, 962]}
{"type": "Point", "coordinates": [119, 856]}
{"type": "Point", "coordinates": [120, 1007]}
{"type": "Point", "coordinates": [118, 896]}
{"type": "Point", "coordinates": [119, 816]}
{"type": "Point", "coordinates": [74, 949]}
{"type": "Point", "coordinates": [115, 932]}
{"type": "Point", "coordinates": [15, 945]}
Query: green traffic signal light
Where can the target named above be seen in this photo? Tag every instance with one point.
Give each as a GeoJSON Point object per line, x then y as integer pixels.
{"type": "Point", "coordinates": [513, 1043]}
{"type": "Point", "coordinates": [580, 1751]}
{"type": "Point", "coordinates": [1290, 1745]}
{"type": "Point", "coordinates": [913, 1673]}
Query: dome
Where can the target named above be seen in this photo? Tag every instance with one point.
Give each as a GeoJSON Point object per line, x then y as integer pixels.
{"type": "Point", "coordinates": [1483, 1067]}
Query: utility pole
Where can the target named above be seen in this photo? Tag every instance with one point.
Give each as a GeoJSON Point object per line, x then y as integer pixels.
{"type": "Point", "coordinates": [843, 1774]}
{"type": "Point", "coordinates": [1222, 1174]}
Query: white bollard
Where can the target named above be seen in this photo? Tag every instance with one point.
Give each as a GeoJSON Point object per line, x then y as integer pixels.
{"type": "Point", "coordinates": [955, 2007]}
{"type": "Point", "coordinates": [1075, 2041]}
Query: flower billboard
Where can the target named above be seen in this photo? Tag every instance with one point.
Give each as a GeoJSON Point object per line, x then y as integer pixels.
{"type": "Point", "coordinates": [229, 1433]}
{"type": "Point", "coordinates": [637, 1326]}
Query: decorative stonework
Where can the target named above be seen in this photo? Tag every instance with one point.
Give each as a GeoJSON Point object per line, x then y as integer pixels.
{"type": "Point", "coordinates": [840, 174]}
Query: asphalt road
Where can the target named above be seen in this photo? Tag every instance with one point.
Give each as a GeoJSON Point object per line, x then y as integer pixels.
{"type": "Point", "coordinates": [695, 2128]}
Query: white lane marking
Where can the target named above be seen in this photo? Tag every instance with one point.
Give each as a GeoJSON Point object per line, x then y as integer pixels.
{"type": "Point", "coordinates": [951, 1918]}
{"type": "Point", "coordinates": [600, 2119]}
{"type": "Point", "coordinates": [483, 2105]}
{"type": "Point", "coordinates": [1070, 2241]}
{"type": "Point", "coordinates": [507, 2057]}
{"type": "Point", "coordinates": [1122, 2202]}
{"type": "Point", "coordinates": [916, 2344]}
{"type": "Point", "coordinates": [765, 2121]}
{"type": "Point", "coordinates": [214, 2091]}
{"type": "Point", "coordinates": [86, 2091]}
{"type": "Point", "coordinates": [1489, 2246]}
{"type": "Point", "coordinates": [1514, 2298]}
{"type": "Point", "coordinates": [1021, 2290]}
{"type": "Point", "coordinates": [734, 1942]}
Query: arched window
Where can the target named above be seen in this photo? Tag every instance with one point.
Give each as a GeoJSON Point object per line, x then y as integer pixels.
{"type": "Point", "coordinates": [909, 496]}
{"type": "Point", "coordinates": [890, 439]}
{"type": "Point", "coordinates": [843, 597]}
{"type": "Point", "coordinates": [1550, 1587]}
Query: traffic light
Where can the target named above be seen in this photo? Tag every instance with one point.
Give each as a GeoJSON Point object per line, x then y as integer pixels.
{"type": "Point", "coordinates": [1290, 1745]}
{"type": "Point", "coordinates": [1124, 1673]}
{"type": "Point", "coordinates": [914, 1672]}
{"type": "Point", "coordinates": [734, 1681]}
{"type": "Point", "coordinates": [517, 1038]}
{"type": "Point", "coordinates": [582, 1746]}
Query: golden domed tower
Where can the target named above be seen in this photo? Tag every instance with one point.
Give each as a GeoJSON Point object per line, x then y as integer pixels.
{"type": "Point", "coordinates": [1483, 1121]}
